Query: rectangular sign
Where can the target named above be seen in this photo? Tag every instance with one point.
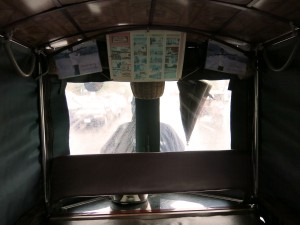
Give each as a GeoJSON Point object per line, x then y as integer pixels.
{"type": "Point", "coordinates": [79, 60]}
{"type": "Point", "coordinates": [225, 59]}
{"type": "Point", "coordinates": [146, 55]}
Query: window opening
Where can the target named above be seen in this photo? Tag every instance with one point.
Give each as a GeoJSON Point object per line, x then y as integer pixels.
{"type": "Point", "coordinates": [95, 115]}
{"type": "Point", "coordinates": [212, 128]}
{"type": "Point", "coordinates": [102, 113]}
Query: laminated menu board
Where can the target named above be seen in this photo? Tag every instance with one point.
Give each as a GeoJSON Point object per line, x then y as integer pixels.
{"type": "Point", "coordinates": [146, 55]}
{"type": "Point", "coordinates": [79, 60]}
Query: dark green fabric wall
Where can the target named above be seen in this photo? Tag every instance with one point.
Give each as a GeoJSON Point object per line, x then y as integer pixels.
{"type": "Point", "coordinates": [56, 116]}
{"type": "Point", "coordinates": [279, 183]}
{"type": "Point", "coordinates": [20, 169]}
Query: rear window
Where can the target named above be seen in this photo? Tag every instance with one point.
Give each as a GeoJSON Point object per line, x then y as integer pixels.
{"type": "Point", "coordinates": [102, 118]}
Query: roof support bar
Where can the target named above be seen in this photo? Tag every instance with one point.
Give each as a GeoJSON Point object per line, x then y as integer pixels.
{"type": "Point", "coordinates": [43, 142]}
{"type": "Point", "coordinates": [146, 26]}
{"type": "Point", "coordinates": [151, 14]}
{"type": "Point", "coordinates": [256, 130]}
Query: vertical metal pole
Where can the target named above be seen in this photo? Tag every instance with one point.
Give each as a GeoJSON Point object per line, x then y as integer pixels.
{"type": "Point", "coordinates": [147, 125]}
{"type": "Point", "coordinates": [256, 130]}
{"type": "Point", "coordinates": [154, 126]}
{"type": "Point", "coordinates": [43, 142]}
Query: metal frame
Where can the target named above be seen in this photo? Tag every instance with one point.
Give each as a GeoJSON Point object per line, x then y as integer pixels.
{"type": "Point", "coordinates": [43, 142]}
{"type": "Point", "coordinates": [256, 131]}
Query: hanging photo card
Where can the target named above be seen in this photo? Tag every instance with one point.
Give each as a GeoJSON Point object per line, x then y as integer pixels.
{"type": "Point", "coordinates": [79, 60]}
{"type": "Point", "coordinates": [225, 59]}
{"type": "Point", "coordinates": [146, 55]}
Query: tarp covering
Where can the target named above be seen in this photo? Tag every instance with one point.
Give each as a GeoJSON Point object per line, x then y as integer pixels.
{"type": "Point", "coordinates": [56, 116]}
{"type": "Point", "coordinates": [20, 169]}
{"type": "Point", "coordinates": [241, 114]}
{"type": "Point", "coordinates": [279, 183]}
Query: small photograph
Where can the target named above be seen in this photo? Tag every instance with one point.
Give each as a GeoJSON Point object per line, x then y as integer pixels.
{"type": "Point", "coordinates": [140, 75]}
{"type": "Point", "coordinates": [171, 62]}
{"type": "Point", "coordinates": [156, 41]}
{"type": "Point", "coordinates": [156, 51]}
{"type": "Point", "coordinates": [116, 64]}
{"type": "Point", "coordinates": [120, 39]}
{"type": "Point", "coordinates": [125, 66]}
{"type": "Point", "coordinates": [125, 55]}
{"type": "Point", "coordinates": [124, 49]}
{"type": "Point", "coordinates": [140, 50]}
{"type": "Point", "coordinates": [140, 59]}
{"type": "Point", "coordinates": [170, 73]}
{"type": "Point", "coordinates": [156, 76]}
{"type": "Point", "coordinates": [117, 73]}
{"type": "Point", "coordinates": [115, 56]}
{"type": "Point", "coordinates": [118, 53]}
{"type": "Point", "coordinates": [139, 40]}
{"type": "Point", "coordinates": [172, 41]}
{"type": "Point", "coordinates": [155, 67]}
{"type": "Point", "coordinates": [137, 76]}
{"type": "Point", "coordinates": [126, 74]}
{"type": "Point", "coordinates": [139, 67]}
{"type": "Point", "coordinates": [143, 59]}
{"type": "Point", "coordinates": [172, 51]}
{"type": "Point", "coordinates": [136, 59]}
{"type": "Point", "coordinates": [170, 67]}
{"type": "Point", "coordinates": [115, 49]}
{"type": "Point", "coordinates": [155, 59]}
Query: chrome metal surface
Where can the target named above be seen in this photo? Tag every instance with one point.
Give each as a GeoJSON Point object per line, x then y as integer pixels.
{"type": "Point", "coordinates": [43, 140]}
{"type": "Point", "coordinates": [78, 204]}
{"type": "Point", "coordinates": [216, 196]}
{"type": "Point", "coordinates": [129, 199]}
{"type": "Point", "coordinates": [156, 203]}
{"type": "Point", "coordinates": [256, 131]}
{"type": "Point", "coordinates": [156, 215]}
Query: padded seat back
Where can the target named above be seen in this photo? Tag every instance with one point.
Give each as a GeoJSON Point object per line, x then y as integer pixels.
{"type": "Point", "coordinates": [140, 173]}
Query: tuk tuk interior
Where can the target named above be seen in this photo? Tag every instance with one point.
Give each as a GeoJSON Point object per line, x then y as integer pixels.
{"type": "Point", "coordinates": [202, 96]}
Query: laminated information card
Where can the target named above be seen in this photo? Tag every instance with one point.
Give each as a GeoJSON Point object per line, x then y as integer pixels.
{"type": "Point", "coordinates": [225, 59]}
{"type": "Point", "coordinates": [146, 55]}
{"type": "Point", "coordinates": [79, 60]}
